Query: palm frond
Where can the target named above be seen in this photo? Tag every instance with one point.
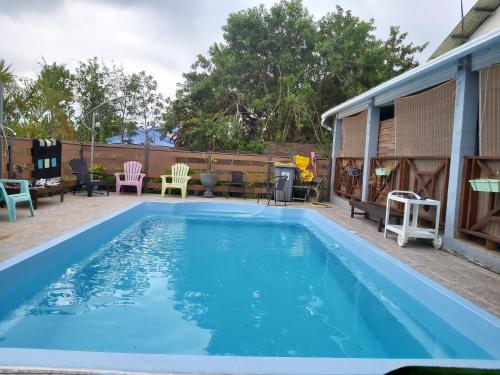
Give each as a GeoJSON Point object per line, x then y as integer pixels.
{"type": "Point", "coordinates": [6, 75]}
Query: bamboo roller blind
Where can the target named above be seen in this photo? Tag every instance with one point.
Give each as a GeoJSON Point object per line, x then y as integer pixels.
{"type": "Point", "coordinates": [424, 122]}
{"type": "Point", "coordinates": [489, 111]}
{"type": "Point", "coordinates": [354, 135]}
{"type": "Point", "coordinates": [489, 134]}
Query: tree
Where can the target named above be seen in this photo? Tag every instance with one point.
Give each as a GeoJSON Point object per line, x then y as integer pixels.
{"type": "Point", "coordinates": [6, 79]}
{"type": "Point", "coordinates": [277, 70]}
{"type": "Point", "coordinates": [24, 109]}
{"type": "Point", "coordinates": [122, 85]}
{"type": "Point", "coordinates": [351, 56]}
{"type": "Point", "coordinates": [146, 103]}
{"type": "Point", "coordinates": [271, 77]}
{"type": "Point", "coordinates": [400, 57]}
{"type": "Point", "coordinates": [45, 107]}
{"type": "Point", "coordinates": [41, 107]}
{"type": "Point", "coordinates": [92, 88]}
{"type": "Point", "coordinates": [54, 87]}
{"type": "Point", "coordinates": [6, 75]}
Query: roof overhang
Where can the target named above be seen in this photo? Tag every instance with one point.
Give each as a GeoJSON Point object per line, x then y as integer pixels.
{"type": "Point", "coordinates": [484, 51]}
{"type": "Point", "coordinates": [467, 26]}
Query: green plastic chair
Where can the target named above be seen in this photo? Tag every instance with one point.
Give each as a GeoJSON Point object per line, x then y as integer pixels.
{"type": "Point", "coordinates": [179, 179]}
{"type": "Point", "coordinates": [12, 199]}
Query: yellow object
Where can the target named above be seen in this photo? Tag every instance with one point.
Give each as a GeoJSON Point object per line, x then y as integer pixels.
{"type": "Point", "coordinates": [179, 178]}
{"type": "Point", "coordinates": [302, 162]}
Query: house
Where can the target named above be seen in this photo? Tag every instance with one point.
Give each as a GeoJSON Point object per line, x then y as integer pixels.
{"type": "Point", "coordinates": [436, 127]}
{"type": "Point", "coordinates": [156, 138]}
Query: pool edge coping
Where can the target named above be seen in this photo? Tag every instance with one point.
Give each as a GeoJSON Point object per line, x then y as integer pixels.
{"type": "Point", "coordinates": [172, 363]}
{"type": "Point", "coordinates": [471, 306]}
{"type": "Point", "coordinates": [37, 249]}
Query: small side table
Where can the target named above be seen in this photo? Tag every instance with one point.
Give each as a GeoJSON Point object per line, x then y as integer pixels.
{"type": "Point", "coordinates": [39, 192]}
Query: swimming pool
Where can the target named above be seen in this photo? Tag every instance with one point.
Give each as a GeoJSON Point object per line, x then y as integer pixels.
{"type": "Point", "coordinates": [224, 287]}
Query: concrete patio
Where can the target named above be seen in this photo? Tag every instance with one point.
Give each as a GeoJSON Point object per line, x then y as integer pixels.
{"type": "Point", "coordinates": [53, 219]}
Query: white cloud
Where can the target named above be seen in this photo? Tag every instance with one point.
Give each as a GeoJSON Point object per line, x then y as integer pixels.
{"type": "Point", "coordinates": [164, 37]}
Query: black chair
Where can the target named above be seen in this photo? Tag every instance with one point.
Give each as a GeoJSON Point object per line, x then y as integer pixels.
{"type": "Point", "coordinates": [314, 189]}
{"type": "Point", "coordinates": [308, 192]}
{"type": "Point", "coordinates": [274, 185]}
{"type": "Point", "coordinates": [85, 178]}
{"type": "Point", "coordinates": [238, 181]}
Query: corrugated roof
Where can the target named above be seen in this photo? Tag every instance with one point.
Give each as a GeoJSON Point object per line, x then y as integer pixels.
{"type": "Point", "coordinates": [472, 21]}
{"type": "Point", "coordinates": [154, 135]}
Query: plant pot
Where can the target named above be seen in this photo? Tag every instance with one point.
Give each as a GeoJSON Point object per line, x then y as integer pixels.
{"type": "Point", "coordinates": [354, 171]}
{"type": "Point", "coordinates": [209, 180]}
{"type": "Point", "coordinates": [489, 185]}
{"type": "Point", "coordinates": [382, 171]}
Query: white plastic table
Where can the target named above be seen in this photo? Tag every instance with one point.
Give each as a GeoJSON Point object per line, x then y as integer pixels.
{"type": "Point", "coordinates": [412, 203]}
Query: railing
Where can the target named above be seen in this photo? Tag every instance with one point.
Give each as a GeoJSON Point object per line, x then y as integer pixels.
{"type": "Point", "coordinates": [480, 211]}
{"type": "Point", "coordinates": [346, 185]}
{"type": "Point", "coordinates": [426, 176]}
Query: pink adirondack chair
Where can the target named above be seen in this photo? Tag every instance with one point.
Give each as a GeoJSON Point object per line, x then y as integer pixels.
{"type": "Point", "coordinates": [132, 176]}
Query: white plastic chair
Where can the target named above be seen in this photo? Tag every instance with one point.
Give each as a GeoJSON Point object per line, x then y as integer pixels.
{"type": "Point", "coordinates": [132, 176]}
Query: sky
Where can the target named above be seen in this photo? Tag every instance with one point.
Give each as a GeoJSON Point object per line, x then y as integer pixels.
{"type": "Point", "coordinates": [163, 37]}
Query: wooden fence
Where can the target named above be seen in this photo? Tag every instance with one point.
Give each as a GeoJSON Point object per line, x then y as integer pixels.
{"type": "Point", "coordinates": [256, 167]}
{"type": "Point", "coordinates": [426, 176]}
{"type": "Point", "coordinates": [480, 211]}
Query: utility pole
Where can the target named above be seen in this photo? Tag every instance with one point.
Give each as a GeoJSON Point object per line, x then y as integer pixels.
{"type": "Point", "coordinates": [92, 139]}
{"type": "Point", "coordinates": [146, 153]}
{"type": "Point", "coordinates": [92, 129]}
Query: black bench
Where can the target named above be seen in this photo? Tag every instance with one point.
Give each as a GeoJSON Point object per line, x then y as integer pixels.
{"type": "Point", "coordinates": [373, 212]}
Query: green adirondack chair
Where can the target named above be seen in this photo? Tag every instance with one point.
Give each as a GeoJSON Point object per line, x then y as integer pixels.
{"type": "Point", "coordinates": [179, 179]}
{"type": "Point", "coordinates": [12, 199]}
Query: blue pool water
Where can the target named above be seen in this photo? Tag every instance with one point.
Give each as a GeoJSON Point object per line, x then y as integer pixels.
{"type": "Point", "coordinates": [188, 281]}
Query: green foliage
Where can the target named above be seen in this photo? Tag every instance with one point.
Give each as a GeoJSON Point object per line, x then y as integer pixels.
{"type": "Point", "coordinates": [99, 171]}
{"type": "Point", "coordinates": [275, 73]}
{"type": "Point", "coordinates": [92, 89]}
{"type": "Point", "coordinates": [6, 75]}
{"type": "Point", "coordinates": [271, 77]}
{"type": "Point", "coordinates": [97, 168]}
{"type": "Point", "coordinates": [123, 86]}
{"type": "Point", "coordinates": [45, 107]}
{"type": "Point", "coordinates": [54, 91]}
{"type": "Point", "coordinates": [147, 104]}
{"type": "Point", "coordinates": [41, 107]}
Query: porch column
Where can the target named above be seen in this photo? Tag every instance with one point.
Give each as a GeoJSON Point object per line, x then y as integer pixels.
{"type": "Point", "coordinates": [371, 143]}
{"type": "Point", "coordinates": [337, 139]}
{"type": "Point", "coordinates": [465, 123]}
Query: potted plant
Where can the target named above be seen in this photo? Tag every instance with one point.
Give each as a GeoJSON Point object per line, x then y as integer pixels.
{"type": "Point", "coordinates": [353, 171]}
{"type": "Point", "coordinates": [18, 171]}
{"type": "Point", "coordinates": [209, 179]}
{"type": "Point", "coordinates": [17, 174]}
{"type": "Point", "coordinates": [382, 171]}
{"type": "Point", "coordinates": [489, 185]}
